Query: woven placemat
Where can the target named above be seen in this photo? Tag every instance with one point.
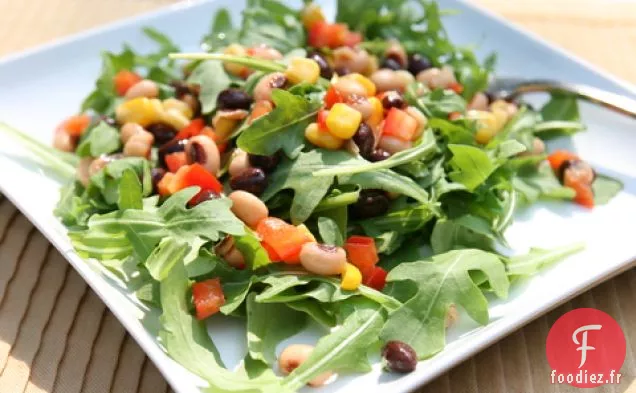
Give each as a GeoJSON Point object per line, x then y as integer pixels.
{"type": "Point", "coordinates": [57, 336]}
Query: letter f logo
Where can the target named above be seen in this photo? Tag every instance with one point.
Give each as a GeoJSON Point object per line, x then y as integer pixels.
{"type": "Point", "coordinates": [584, 347]}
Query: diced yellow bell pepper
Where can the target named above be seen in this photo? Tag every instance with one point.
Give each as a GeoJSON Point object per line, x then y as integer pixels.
{"type": "Point", "coordinates": [377, 113]}
{"type": "Point", "coordinates": [311, 14]}
{"type": "Point", "coordinates": [173, 103]}
{"type": "Point", "coordinates": [233, 68]}
{"type": "Point", "coordinates": [322, 138]}
{"type": "Point", "coordinates": [343, 121]}
{"type": "Point", "coordinates": [175, 118]}
{"type": "Point", "coordinates": [487, 125]}
{"type": "Point", "coordinates": [141, 110]}
{"type": "Point", "coordinates": [301, 70]}
{"type": "Point", "coordinates": [351, 278]}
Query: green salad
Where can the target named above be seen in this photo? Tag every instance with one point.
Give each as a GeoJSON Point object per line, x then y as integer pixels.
{"type": "Point", "coordinates": [353, 174]}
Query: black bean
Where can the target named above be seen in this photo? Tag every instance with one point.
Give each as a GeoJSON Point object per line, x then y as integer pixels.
{"type": "Point", "coordinates": [325, 69]}
{"type": "Point", "coordinates": [370, 203]}
{"type": "Point", "coordinates": [205, 195]}
{"type": "Point", "coordinates": [340, 71]}
{"type": "Point", "coordinates": [157, 174]}
{"type": "Point", "coordinates": [399, 357]}
{"type": "Point", "coordinates": [418, 63]}
{"type": "Point", "coordinates": [252, 180]}
{"type": "Point", "coordinates": [181, 88]}
{"type": "Point", "coordinates": [163, 133]}
{"type": "Point", "coordinates": [266, 163]}
{"type": "Point", "coordinates": [391, 63]}
{"type": "Point", "coordinates": [233, 99]}
{"type": "Point", "coordinates": [174, 146]}
{"type": "Point", "coordinates": [364, 139]}
{"type": "Point", "coordinates": [393, 99]}
{"type": "Point", "coordinates": [378, 155]}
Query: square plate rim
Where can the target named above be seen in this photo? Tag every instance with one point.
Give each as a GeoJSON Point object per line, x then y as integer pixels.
{"type": "Point", "coordinates": [408, 383]}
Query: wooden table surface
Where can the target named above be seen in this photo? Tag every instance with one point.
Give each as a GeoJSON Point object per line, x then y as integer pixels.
{"type": "Point", "coordinates": [57, 336]}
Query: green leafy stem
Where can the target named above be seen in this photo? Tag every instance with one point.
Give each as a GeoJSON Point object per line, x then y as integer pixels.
{"type": "Point", "coordinates": [251, 62]}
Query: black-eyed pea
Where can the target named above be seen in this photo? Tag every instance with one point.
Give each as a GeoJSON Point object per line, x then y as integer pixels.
{"type": "Point", "coordinates": [265, 86]}
{"type": "Point", "coordinates": [235, 258]}
{"type": "Point", "coordinates": [538, 146]}
{"type": "Point", "coordinates": [361, 104]}
{"type": "Point", "coordinates": [224, 246]}
{"type": "Point", "coordinates": [293, 356]}
{"type": "Point", "coordinates": [239, 163]}
{"type": "Point", "coordinates": [248, 208]}
{"type": "Point", "coordinates": [403, 79]}
{"type": "Point", "coordinates": [428, 76]}
{"type": "Point", "coordinates": [351, 59]}
{"type": "Point", "coordinates": [348, 87]}
{"type": "Point", "coordinates": [63, 141]}
{"type": "Point", "coordinates": [479, 102]}
{"type": "Point", "coordinates": [139, 145]}
{"type": "Point", "coordinates": [323, 259]}
{"type": "Point", "coordinates": [201, 149]}
{"type": "Point", "coordinates": [446, 77]}
{"type": "Point", "coordinates": [393, 145]}
{"type": "Point", "coordinates": [386, 79]}
{"type": "Point", "coordinates": [422, 121]}
{"type": "Point", "coordinates": [128, 130]}
{"type": "Point", "coordinates": [144, 88]}
{"type": "Point", "coordinates": [265, 52]}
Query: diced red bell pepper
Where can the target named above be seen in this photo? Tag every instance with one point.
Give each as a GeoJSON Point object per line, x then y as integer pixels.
{"type": "Point", "coordinates": [323, 34]}
{"type": "Point", "coordinates": [221, 144]}
{"type": "Point", "coordinates": [284, 239]}
{"type": "Point", "coordinates": [124, 80]}
{"type": "Point", "coordinates": [163, 187]}
{"type": "Point", "coordinates": [75, 125]}
{"type": "Point", "coordinates": [399, 124]}
{"type": "Point", "coordinates": [197, 175]}
{"type": "Point", "coordinates": [376, 278]}
{"type": "Point", "coordinates": [456, 87]}
{"type": "Point", "coordinates": [174, 161]}
{"type": "Point", "coordinates": [207, 297]}
{"type": "Point", "coordinates": [270, 252]}
{"type": "Point", "coordinates": [352, 38]}
{"type": "Point", "coordinates": [361, 252]}
{"type": "Point", "coordinates": [322, 119]}
{"type": "Point", "coordinates": [558, 157]}
{"type": "Point", "coordinates": [332, 97]}
{"type": "Point", "coordinates": [194, 128]}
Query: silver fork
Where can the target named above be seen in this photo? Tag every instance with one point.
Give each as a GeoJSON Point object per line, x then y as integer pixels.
{"type": "Point", "coordinates": [510, 88]}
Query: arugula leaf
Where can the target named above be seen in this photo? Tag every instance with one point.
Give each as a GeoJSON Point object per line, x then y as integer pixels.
{"type": "Point", "coordinates": [605, 188]}
{"type": "Point", "coordinates": [440, 281]}
{"type": "Point", "coordinates": [344, 350]}
{"type": "Point", "coordinates": [103, 99]}
{"type": "Point", "coordinates": [283, 128]}
{"type": "Point", "coordinates": [437, 103]}
{"type": "Point", "coordinates": [101, 139]}
{"type": "Point", "coordinates": [250, 246]}
{"type": "Point", "coordinates": [271, 23]}
{"type": "Point", "coordinates": [145, 228]}
{"type": "Point", "coordinates": [468, 231]}
{"type": "Point", "coordinates": [329, 231]}
{"type": "Point", "coordinates": [213, 79]}
{"type": "Point", "coordinates": [267, 325]}
{"type": "Point", "coordinates": [187, 341]}
{"type": "Point", "coordinates": [453, 132]}
{"type": "Point", "coordinates": [560, 117]}
{"type": "Point", "coordinates": [168, 253]}
{"type": "Point", "coordinates": [402, 222]}
{"type": "Point", "coordinates": [130, 192]}
{"type": "Point", "coordinates": [530, 263]}
{"type": "Point", "coordinates": [539, 181]}
{"type": "Point", "coordinates": [471, 165]}
{"type": "Point", "coordinates": [319, 312]}
{"type": "Point", "coordinates": [73, 207]}
{"type": "Point", "coordinates": [104, 186]}
{"type": "Point", "coordinates": [222, 33]}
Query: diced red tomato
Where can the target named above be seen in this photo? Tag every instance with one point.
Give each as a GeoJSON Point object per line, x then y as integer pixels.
{"type": "Point", "coordinates": [124, 80]}
{"type": "Point", "coordinates": [332, 97]}
{"type": "Point", "coordinates": [174, 161]}
{"type": "Point", "coordinates": [270, 252]}
{"type": "Point", "coordinates": [75, 125]}
{"type": "Point", "coordinates": [284, 239]}
{"type": "Point", "coordinates": [361, 252]}
{"type": "Point", "coordinates": [376, 278]}
{"type": "Point", "coordinates": [399, 124]}
{"type": "Point", "coordinates": [194, 128]}
{"type": "Point", "coordinates": [207, 297]}
{"type": "Point", "coordinates": [322, 119]}
{"type": "Point", "coordinates": [352, 38]}
{"type": "Point", "coordinates": [323, 34]}
{"type": "Point", "coordinates": [456, 87]}
{"type": "Point", "coordinates": [558, 157]}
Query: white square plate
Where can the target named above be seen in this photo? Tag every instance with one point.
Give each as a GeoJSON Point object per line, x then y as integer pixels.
{"type": "Point", "coordinates": [40, 87]}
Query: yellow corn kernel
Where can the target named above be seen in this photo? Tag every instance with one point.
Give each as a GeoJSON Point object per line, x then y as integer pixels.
{"type": "Point", "coordinates": [501, 117]}
{"type": "Point", "coordinates": [368, 85]}
{"type": "Point", "coordinates": [236, 69]}
{"type": "Point", "coordinates": [351, 278]}
{"type": "Point", "coordinates": [173, 103]}
{"type": "Point", "coordinates": [175, 118]}
{"type": "Point", "coordinates": [322, 138]}
{"type": "Point", "coordinates": [499, 104]}
{"type": "Point", "coordinates": [487, 125]}
{"type": "Point", "coordinates": [377, 113]}
{"type": "Point", "coordinates": [143, 111]}
{"type": "Point", "coordinates": [307, 232]}
{"type": "Point", "coordinates": [343, 121]}
{"type": "Point", "coordinates": [311, 14]}
{"type": "Point", "coordinates": [301, 70]}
